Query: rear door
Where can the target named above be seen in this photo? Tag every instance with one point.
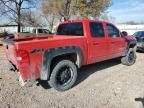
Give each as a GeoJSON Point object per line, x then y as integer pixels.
{"type": "Point", "coordinates": [98, 41]}
{"type": "Point", "coordinates": [116, 43]}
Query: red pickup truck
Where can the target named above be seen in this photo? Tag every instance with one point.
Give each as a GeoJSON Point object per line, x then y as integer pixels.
{"type": "Point", "coordinates": [56, 58]}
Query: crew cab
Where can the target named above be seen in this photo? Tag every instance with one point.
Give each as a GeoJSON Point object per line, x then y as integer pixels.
{"type": "Point", "coordinates": [56, 58]}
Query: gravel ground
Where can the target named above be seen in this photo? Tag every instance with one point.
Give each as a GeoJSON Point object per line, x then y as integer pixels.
{"type": "Point", "coordinates": [104, 85]}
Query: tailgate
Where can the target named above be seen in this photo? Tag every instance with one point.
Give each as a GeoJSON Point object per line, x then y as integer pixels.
{"type": "Point", "coordinates": [10, 50]}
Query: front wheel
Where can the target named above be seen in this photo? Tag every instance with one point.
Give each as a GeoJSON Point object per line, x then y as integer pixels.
{"type": "Point", "coordinates": [130, 58]}
{"type": "Point", "coordinates": [63, 76]}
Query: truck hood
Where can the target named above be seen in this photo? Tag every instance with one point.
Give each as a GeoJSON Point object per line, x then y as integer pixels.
{"type": "Point", "coordinates": [130, 37]}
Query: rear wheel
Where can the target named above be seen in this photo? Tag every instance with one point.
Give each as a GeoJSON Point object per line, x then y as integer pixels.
{"type": "Point", "coordinates": [63, 76]}
{"type": "Point", "coordinates": [130, 58]}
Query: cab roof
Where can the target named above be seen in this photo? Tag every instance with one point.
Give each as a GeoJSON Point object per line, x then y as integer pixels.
{"type": "Point", "coordinates": [84, 20]}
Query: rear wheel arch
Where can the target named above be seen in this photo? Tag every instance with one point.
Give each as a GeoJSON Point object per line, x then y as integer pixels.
{"type": "Point", "coordinates": [52, 56]}
{"type": "Point", "coordinates": [70, 56]}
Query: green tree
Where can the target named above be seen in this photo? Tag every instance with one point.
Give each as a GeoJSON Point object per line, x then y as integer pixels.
{"type": "Point", "coordinates": [68, 8]}
{"type": "Point", "coordinates": [90, 8]}
{"type": "Point", "coordinates": [59, 8]}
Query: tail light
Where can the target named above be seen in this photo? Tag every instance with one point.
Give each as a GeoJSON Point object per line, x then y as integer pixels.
{"type": "Point", "coordinates": [22, 57]}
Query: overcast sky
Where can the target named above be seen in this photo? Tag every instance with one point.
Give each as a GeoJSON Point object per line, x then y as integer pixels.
{"type": "Point", "coordinates": [127, 10]}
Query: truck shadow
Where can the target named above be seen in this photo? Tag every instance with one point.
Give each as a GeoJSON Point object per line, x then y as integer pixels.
{"type": "Point", "coordinates": [140, 51]}
{"type": "Point", "coordinates": [140, 100]}
{"type": "Point", "coordinates": [43, 84]}
{"type": "Point", "coordinates": [86, 71]}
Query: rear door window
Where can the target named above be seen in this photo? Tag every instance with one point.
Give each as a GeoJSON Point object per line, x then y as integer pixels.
{"type": "Point", "coordinates": [96, 29]}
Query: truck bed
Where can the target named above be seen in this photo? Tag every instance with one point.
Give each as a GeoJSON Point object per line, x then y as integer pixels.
{"type": "Point", "coordinates": [35, 48]}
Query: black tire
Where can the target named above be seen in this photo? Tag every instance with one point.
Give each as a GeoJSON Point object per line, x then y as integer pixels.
{"type": "Point", "coordinates": [130, 58]}
{"type": "Point", "coordinates": [63, 76]}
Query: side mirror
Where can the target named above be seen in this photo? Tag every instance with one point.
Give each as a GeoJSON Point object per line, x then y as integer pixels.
{"type": "Point", "coordinates": [124, 33]}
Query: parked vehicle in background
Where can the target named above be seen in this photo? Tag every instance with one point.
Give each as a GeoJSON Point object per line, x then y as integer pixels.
{"type": "Point", "coordinates": [34, 33]}
{"type": "Point", "coordinates": [40, 30]}
{"type": "Point", "coordinates": [5, 35]}
{"type": "Point", "coordinates": [57, 57]}
{"type": "Point", "coordinates": [140, 40]}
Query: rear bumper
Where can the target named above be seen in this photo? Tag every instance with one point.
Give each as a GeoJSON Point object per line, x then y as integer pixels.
{"type": "Point", "coordinates": [22, 82]}
{"type": "Point", "coordinates": [25, 72]}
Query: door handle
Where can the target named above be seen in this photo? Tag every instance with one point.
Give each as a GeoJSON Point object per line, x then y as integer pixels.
{"type": "Point", "coordinates": [95, 43]}
{"type": "Point", "coordinates": [113, 42]}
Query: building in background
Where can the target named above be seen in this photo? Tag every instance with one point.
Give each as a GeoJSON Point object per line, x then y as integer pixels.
{"type": "Point", "coordinates": [131, 29]}
{"type": "Point", "coordinates": [8, 28]}
{"type": "Point", "coordinates": [14, 28]}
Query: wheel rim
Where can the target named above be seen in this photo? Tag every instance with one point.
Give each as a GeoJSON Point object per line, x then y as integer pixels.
{"type": "Point", "coordinates": [64, 76]}
{"type": "Point", "coordinates": [131, 57]}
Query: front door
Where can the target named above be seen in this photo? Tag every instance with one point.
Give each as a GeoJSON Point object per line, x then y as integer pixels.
{"type": "Point", "coordinates": [115, 42]}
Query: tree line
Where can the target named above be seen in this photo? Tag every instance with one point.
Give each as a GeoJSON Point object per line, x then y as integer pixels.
{"type": "Point", "coordinates": [50, 12]}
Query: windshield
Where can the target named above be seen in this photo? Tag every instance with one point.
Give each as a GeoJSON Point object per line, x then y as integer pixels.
{"type": "Point", "coordinates": [73, 29]}
{"type": "Point", "coordinates": [139, 34]}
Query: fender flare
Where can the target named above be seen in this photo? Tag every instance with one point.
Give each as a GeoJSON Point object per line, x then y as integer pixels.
{"type": "Point", "coordinates": [130, 44]}
{"type": "Point", "coordinates": [49, 54]}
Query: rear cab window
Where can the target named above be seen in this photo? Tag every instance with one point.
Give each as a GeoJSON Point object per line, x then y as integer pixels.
{"type": "Point", "coordinates": [71, 29]}
{"type": "Point", "coordinates": [97, 30]}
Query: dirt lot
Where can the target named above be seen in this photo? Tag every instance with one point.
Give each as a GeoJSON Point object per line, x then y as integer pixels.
{"type": "Point", "coordinates": [104, 85]}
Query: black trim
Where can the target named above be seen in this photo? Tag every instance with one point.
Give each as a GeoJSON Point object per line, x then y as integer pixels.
{"type": "Point", "coordinates": [54, 52]}
{"type": "Point", "coordinates": [37, 50]}
{"type": "Point", "coordinates": [132, 43]}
